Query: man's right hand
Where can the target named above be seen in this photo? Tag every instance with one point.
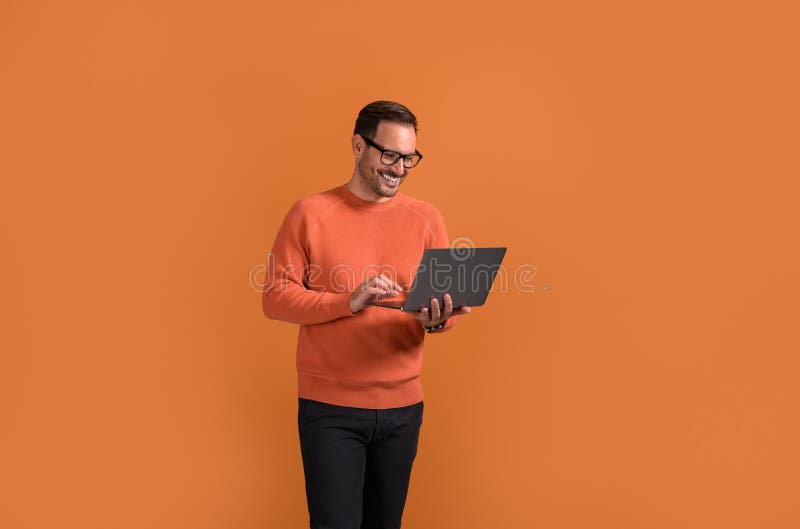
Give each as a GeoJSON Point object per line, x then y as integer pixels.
{"type": "Point", "coordinates": [371, 290]}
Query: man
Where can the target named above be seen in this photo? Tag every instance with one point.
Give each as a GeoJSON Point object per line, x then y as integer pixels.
{"type": "Point", "coordinates": [360, 399]}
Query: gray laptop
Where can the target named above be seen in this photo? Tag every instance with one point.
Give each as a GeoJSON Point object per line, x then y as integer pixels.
{"type": "Point", "coordinates": [467, 274]}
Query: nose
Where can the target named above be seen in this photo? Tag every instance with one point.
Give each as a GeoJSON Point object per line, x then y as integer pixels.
{"type": "Point", "coordinates": [397, 168]}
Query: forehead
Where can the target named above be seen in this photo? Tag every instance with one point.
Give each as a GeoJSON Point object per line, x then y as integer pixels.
{"type": "Point", "coordinates": [396, 136]}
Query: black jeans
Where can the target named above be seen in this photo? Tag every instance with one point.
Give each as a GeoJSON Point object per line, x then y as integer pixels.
{"type": "Point", "coordinates": [357, 463]}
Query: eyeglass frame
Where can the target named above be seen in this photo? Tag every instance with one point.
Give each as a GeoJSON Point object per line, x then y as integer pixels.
{"type": "Point", "coordinates": [401, 156]}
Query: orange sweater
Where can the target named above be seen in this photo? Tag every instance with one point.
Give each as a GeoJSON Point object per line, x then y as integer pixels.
{"type": "Point", "coordinates": [327, 245]}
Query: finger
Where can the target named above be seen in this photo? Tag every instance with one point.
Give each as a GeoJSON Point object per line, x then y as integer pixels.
{"type": "Point", "coordinates": [388, 280]}
{"type": "Point", "coordinates": [371, 283]}
{"type": "Point", "coordinates": [435, 313]}
{"type": "Point", "coordinates": [448, 306]}
{"type": "Point", "coordinates": [384, 283]}
{"type": "Point", "coordinates": [390, 283]}
{"type": "Point", "coordinates": [397, 287]}
{"type": "Point", "coordinates": [375, 291]}
{"type": "Point", "coordinates": [423, 317]}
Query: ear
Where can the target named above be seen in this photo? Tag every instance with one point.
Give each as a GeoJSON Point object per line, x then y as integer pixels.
{"type": "Point", "coordinates": [358, 146]}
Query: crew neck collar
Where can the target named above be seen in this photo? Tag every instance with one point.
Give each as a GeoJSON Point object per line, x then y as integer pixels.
{"type": "Point", "coordinates": [359, 202]}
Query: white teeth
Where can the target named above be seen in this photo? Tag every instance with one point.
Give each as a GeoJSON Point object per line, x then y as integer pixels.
{"type": "Point", "coordinates": [391, 179]}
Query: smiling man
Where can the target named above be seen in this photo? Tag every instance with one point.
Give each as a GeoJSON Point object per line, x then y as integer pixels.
{"type": "Point", "coordinates": [360, 399]}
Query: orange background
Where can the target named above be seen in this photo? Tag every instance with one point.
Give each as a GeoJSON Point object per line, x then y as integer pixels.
{"type": "Point", "coordinates": [641, 155]}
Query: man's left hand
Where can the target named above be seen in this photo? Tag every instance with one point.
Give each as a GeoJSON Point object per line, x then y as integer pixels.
{"type": "Point", "coordinates": [435, 316]}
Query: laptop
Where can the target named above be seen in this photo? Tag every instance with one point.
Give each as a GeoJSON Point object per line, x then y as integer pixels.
{"type": "Point", "coordinates": [467, 274]}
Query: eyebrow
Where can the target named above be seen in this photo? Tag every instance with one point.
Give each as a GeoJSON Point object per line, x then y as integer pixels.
{"type": "Point", "coordinates": [392, 150]}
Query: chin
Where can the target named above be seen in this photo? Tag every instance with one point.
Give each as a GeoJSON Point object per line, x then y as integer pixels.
{"type": "Point", "coordinates": [384, 191]}
{"type": "Point", "coordinates": [388, 192]}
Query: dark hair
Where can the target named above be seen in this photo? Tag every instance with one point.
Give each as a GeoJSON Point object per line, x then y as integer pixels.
{"type": "Point", "coordinates": [377, 111]}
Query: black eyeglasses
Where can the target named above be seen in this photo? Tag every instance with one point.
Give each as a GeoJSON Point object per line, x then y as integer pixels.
{"type": "Point", "coordinates": [390, 157]}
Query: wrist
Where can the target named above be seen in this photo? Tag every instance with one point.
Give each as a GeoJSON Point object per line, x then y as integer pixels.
{"type": "Point", "coordinates": [352, 304]}
{"type": "Point", "coordinates": [435, 328]}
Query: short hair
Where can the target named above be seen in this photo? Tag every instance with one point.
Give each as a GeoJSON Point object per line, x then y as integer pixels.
{"type": "Point", "coordinates": [377, 111]}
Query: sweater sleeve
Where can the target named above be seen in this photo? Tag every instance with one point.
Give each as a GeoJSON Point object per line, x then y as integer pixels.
{"type": "Point", "coordinates": [285, 296]}
{"type": "Point", "coordinates": [441, 241]}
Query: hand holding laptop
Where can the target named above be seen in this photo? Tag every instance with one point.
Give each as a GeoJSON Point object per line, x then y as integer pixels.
{"type": "Point", "coordinates": [435, 316]}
